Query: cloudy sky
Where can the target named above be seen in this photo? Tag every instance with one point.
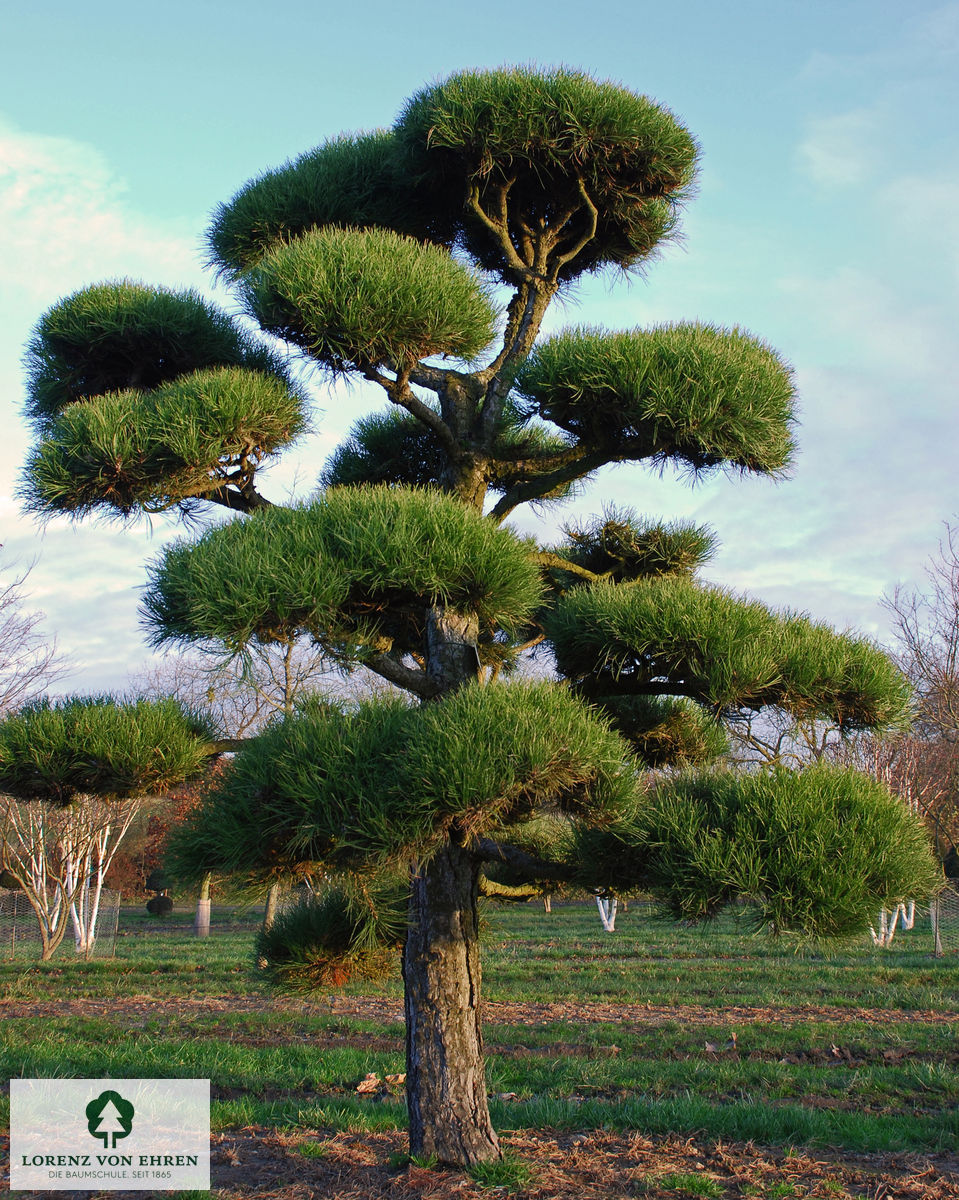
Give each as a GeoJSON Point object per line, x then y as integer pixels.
{"type": "Point", "coordinates": [826, 221]}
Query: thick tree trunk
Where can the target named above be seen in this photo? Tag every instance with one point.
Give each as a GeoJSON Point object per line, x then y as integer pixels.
{"type": "Point", "coordinates": [445, 1069]}
{"type": "Point", "coordinates": [445, 1072]}
{"type": "Point", "coordinates": [451, 655]}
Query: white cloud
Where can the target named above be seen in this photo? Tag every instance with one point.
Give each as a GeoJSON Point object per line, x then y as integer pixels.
{"type": "Point", "coordinates": [64, 222]}
{"type": "Point", "coordinates": [841, 150]}
{"type": "Point", "coordinates": [868, 319]}
{"type": "Point", "coordinates": [922, 211]}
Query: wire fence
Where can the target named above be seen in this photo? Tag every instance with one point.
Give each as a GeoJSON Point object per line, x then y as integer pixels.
{"type": "Point", "coordinates": [944, 918]}
{"type": "Point", "coordinates": [20, 927]}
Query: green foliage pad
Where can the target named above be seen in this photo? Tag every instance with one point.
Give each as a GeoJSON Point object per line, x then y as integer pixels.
{"type": "Point", "coordinates": [348, 931]}
{"type": "Point", "coordinates": [129, 451]}
{"type": "Point", "coordinates": [358, 567]}
{"type": "Point", "coordinates": [819, 851]}
{"type": "Point", "coordinates": [388, 782]}
{"type": "Point", "coordinates": [120, 335]}
{"type": "Point", "coordinates": [550, 136]}
{"type": "Point", "coordinates": [352, 181]}
{"type": "Point", "coordinates": [367, 298]}
{"type": "Point", "coordinates": [56, 750]}
{"type": "Point", "coordinates": [692, 393]}
{"type": "Point", "coordinates": [671, 635]}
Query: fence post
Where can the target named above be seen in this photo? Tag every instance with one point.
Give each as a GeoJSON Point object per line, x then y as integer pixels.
{"type": "Point", "coordinates": [934, 918]}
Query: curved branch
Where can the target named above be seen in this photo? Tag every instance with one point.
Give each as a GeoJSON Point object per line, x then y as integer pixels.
{"type": "Point", "coordinates": [246, 500]}
{"type": "Point", "coordinates": [399, 393]}
{"type": "Point", "coordinates": [227, 746]}
{"type": "Point", "coordinates": [515, 894]}
{"type": "Point", "coordinates": [516, 316]}
{"type": "Point", "coordinates": [561, 260]}
{"type": "Point", "coordinates": [488, 850]}
{"type": "Point", "coordinates": [433, 378]}
{"type": "Point", "coordinates": [499, 229]}
{"type": "Point", "coordinates": [410, 679]}
{"type": "Point", "coordinates": [546, 558]}
{"type": "Point", "coordinates": [526, 313]}
{"type": "Point", "coordinates": [536, 489]}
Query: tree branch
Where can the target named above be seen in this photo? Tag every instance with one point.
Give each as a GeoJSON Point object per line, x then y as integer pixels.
{"type": "Point", "coordinates": [535, 489]}
{"type": "Point", "coordinates": [499, 229]}
{"type": "Point", "coordinates": [561, 260]}
{"type": "Point", "coordinates": [488, 850]}
{"type": "Point", "coordinates": [433, 378]}
{"type": "Point", "coordinates": [247, 500]}
{"type": "Point", "coordinates": [505, 891]}
{"type": "Point", "coordinates": [227, 746]}
{"type": "Point", "coordinates": [399, 393]}
{"type": "Point", "coordinates": [410, 679]}
{"type": "Point", "coordinates": [516, 315]}
{"type": "Point", "coordinates": [526, 314]}
{"type": "Point", "coordinates": [546, 558]}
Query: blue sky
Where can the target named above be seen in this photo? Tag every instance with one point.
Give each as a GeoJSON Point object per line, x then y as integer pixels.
{"type": "Point", "coordinates": [826, 221]}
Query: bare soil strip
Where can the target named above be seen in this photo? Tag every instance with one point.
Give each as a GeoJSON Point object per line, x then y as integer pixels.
{"type": "Point", "coordinates": [261, 1164]}
{"type": "Point", "coordinates": [390, 1012]}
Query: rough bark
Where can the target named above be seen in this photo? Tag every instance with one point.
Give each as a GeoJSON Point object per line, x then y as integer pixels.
{"type": "Point", "coordinates": [445, 1072]}
{"type": "Point", "coordinates": [452, 658]}
{"type": "Point", "coordinates": [445, 1069]}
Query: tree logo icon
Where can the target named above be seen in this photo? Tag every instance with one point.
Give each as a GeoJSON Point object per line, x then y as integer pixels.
{"type": "Point", "coordinates": [109, 1116]}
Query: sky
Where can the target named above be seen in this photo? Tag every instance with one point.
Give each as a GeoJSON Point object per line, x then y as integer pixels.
{"type": "Point", "coordinates": [826, 221]}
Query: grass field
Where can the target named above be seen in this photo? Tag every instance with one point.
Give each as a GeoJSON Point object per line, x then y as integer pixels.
{"type": "Point", "coordinates": [656, 1061]}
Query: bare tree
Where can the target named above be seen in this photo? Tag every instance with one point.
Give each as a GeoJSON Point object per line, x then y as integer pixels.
{"type": "Point", "coordinates": [776, 737]}
{"type": "Point", "coordinates": [59, 857]}
{"type": "Point", "coordinates": [923, 771]}
{"type": "Point", "coordinates": [926, 624]}
{"type": "Point", "coordinates": [242, 693]}
{"type": "Point", "coordinates": [29, 662]}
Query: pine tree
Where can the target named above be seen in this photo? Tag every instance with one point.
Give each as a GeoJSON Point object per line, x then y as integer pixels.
{"type": "Point", "coordinates": [423, 260]}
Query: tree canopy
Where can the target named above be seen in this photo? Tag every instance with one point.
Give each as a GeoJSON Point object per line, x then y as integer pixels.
{"type": "Point", "coordinates": [422, 259]}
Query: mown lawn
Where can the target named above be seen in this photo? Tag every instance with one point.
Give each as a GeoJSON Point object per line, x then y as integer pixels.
{"type": "Point", "coordinates": [654, 1031]}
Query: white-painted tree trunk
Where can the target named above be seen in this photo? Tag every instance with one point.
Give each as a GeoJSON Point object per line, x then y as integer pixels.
{"type": "Point", "coordinates": [607, 912]}
{"type": "Point", "coordinates": [201, 922]}
{"type": "Point", "coordinates": [88, 859]}
{"type": "Point", "coordinates": [902, 913]}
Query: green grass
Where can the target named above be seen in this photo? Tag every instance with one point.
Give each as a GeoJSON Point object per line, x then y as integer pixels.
{"type": "Point", "coordinates": [689, 1185]}
{"type": "Point", "coordinates": [832, 1076]}
{"type": "Point", "coordinates": [508, 1174]}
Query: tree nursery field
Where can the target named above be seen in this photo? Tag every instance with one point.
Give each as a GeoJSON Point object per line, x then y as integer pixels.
{"type": "Point", "coordinates": [549, 711]}
{"type": "Point", "coordinates": [657, 1061]}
